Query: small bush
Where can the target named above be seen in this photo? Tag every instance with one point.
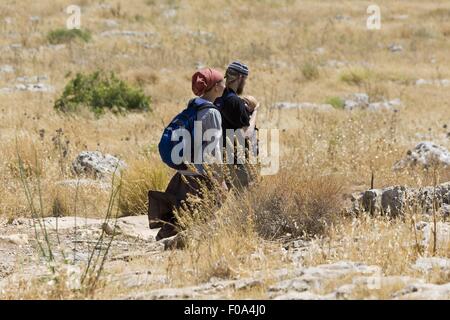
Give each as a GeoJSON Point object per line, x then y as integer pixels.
{"type": "Point", "coordinates": [101, 91]}
{"type": "Point", "coordinates": [310, 71]}
{"type": "Point", "coordinates": [304, 207]}
{"type": "Point", "coordinates": [60, 36]}
{"type": "Point", "coordinates": [336, 102]}
{"type": "Point", "coordinates": [356, 76]}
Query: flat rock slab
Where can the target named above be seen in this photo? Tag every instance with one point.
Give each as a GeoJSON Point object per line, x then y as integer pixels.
{"type": "Point", "coordinates": [135, 227]}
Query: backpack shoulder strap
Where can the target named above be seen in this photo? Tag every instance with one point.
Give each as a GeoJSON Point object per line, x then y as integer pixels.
{"type": "Point", "coordinates": [206, 105]}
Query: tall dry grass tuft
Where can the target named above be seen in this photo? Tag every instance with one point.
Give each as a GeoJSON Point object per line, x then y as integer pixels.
{"type": "Point", "coordinates": [219, 237]}
{"type": "Point", "coordinates": [304, 207]}
{"type": "Point", "coordinates": [232, 240]}
{"type": "Point", "coordinates": [142, 175]}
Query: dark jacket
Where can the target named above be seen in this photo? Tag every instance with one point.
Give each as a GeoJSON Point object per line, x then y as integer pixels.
{"type": "Point", "coordinates": [234, 112]}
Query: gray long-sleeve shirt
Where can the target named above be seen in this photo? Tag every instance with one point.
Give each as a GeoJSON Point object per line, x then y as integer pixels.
{"type": "Point", "coordinates": [209, 150]}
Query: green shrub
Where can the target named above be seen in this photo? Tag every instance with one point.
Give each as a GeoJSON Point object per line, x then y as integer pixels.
{"type": "Point", "coordinates": [356, 76]}
{"type": "Point", "coordinates": [310, 71]}
{"type": "Point", "coordinates": [60, 36]}
{"type": "Point", "coordinates": [100, 91]}
{"type": "Point", "coordinates": [336, 102]}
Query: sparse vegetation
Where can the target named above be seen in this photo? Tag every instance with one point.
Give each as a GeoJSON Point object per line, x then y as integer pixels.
{"type": "Point", "coordinates": [336, 102]}
{"type": "Point", "coordinates": [100, 91]}
{"type": "Point", "coordinates": [310, 70]}
{"type": "Point", "coordinates": [61, 36]}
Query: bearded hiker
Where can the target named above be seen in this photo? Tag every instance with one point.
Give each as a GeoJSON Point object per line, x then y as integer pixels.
{"type": "Point", "coordinates": [238, 118]}
{"type": "Point", "coordinates": [207, 84]}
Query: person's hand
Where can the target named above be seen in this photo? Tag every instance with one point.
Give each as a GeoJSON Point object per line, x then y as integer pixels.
{"type": "Point", "coordinates": [251, 102]}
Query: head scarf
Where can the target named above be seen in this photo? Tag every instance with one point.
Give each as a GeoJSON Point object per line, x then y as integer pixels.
{"type": "Point", "coordinates": [204, 79]}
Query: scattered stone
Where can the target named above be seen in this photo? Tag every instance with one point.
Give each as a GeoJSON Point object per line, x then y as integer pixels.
{"type": "Point", "coordinates": [356, 100]}
{"type": "Point", "coordinates": [169, 13]}
{"type": "Point", "coordinates": [312, 277]}
{"type": "Point", "coordinates": [395, 47]}
{"type": "Point", "coordinates": [302, 296]}
{"type": "Point", "coordinates": [303, 106]}
{"type": "Point", "coordinates": [126, 33]}
{"type": "Point", "coordinates": [111, 23]}
{"type": "Point", "coordinates": [136, 227]}
{"type": "Point", "coordinates": [56, 47]}
{"type": "Point", "coordinates": [441, 82]}
{"type": "Point", "coordinates": [6, 90]}
{"type": "Point", "coordinates": [425, 154]}
{"type": "Point", "coordinates": [17, 239]}
{"type": "Point", "coordinates": [393, 200]}
{"type": "Point", "coordinates": [336, 63]}
{"type": "Point", "coordinates": [341, 17]}
{"type": "Point", "coordinates": [442, 234]}
{"type": "Point", "coordinates": [97, 164]}
{"type": "Point", "coordinates": [401, 17]}
{"type": "Point", "coordinates": [432, 263]}
{"type": "Point", "coordinates": [36, 87]}
{"type": "Point", "coordinates": [424, 291]}
{"type": "Point", "coordinates": [6, 69]}
{"type": "Point", "coordinates": [361, 101]}
{"type": "Point", "coordinates": [320, 50]}
{"type": "Point", "coordinates": [204, 37]}
{"type": "Point", "coordinates": [386, 105]}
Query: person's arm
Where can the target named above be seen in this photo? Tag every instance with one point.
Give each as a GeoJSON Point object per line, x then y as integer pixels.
{"type": "Point", "coordinates": [236, 113]}
{"type": "Point", "coordinates": [212, 153]}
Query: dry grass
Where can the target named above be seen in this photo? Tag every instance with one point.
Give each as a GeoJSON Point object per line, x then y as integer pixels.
{"type": "Point", "coordinates": [321, 152]}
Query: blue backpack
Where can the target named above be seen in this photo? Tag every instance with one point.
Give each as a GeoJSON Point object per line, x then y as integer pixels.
{"type": "Point", "coordinates": [184, 120]}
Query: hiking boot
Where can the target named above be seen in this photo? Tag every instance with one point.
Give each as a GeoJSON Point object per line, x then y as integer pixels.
{"type": "Point", "coordinates": [167, 230]}
{"type": "Point", "coordinates": [156, 224]}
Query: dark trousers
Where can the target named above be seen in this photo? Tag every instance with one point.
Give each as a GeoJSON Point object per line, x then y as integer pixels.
{"type": "Point", "coordinates": [162, 205]}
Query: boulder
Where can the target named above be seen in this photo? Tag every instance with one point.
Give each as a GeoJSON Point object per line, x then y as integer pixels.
{"type": "Point", "coordinates": [425, 154]}
{"type": "Point", "coordinates": [394, 47]}
{"type": "Point", "coordinates": [393, 200]}
{"type": "Point", "coordinates": [94, 163]}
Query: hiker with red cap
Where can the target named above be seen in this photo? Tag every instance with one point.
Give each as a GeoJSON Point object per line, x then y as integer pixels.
{"type": "Point", "coordinates": [189, 157]}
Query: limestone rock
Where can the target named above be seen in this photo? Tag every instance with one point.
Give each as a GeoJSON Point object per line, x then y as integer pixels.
{"type": "Point", "coordinates": [425, 291]}
{"type": "Point", "coordinates": [96, 164]}
{"type": "Point", "coordinates": [362, 101]}
{"type": "Point", "coordinates": [17, 239]}
{"type": "Point", "coordinates": [424, 154]}
{"type": "Point", "coordinates": [430, 263]}
{"type": "Point", "coordinates": [394, 47]}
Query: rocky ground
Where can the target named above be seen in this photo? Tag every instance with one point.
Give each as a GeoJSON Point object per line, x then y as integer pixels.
{"type": "Point", "coordinates": [19, 260]}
